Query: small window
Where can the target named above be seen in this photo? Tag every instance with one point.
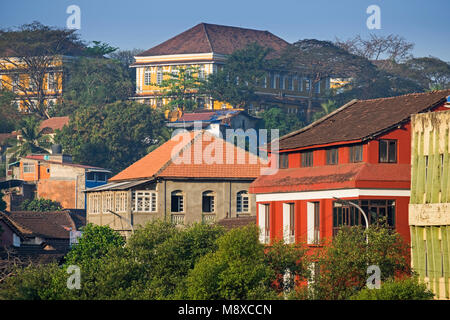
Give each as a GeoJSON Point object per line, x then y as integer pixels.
{"type": "Point", "coordinates": [290, 83]}
{"type": "Point", "coordinates": [201, 72]}
{"type": "Point", "coordinates": [90, 176]}
{"type": "Point", "coordinates": [208, 201]}
{"type": "Point", "coordinates": [356, 153]}
{"type": "Point", "coordinates": [28, 167]}
{"type": "Point", "coordinates": [284, 160]}
{"type": "Point", "coordinates": [332, 156]}
{"type": "Point", "coordinates": [307, 159]}
{"type": "Point", "coordinates": [177, 201]}
{"type": "Point", "coordinates": [388, 151]}
{"type": "Point", "coordinates": [291, 220]}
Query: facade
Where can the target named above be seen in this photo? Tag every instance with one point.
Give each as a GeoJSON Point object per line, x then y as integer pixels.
{"type": "Point", "coordinates": [429, 209]}
{"type": "Point", "coordinates": [177, 182]}
{"type": "Point", "coordinates": [14, 77]}
{"type": "Point", "coordinates": [56, 178]}
{"type": "Point", "coordinates": [360, 152]}
{"type": "Point", "coordinates": [206, 47]}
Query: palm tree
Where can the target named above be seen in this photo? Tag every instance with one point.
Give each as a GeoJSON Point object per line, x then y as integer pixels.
{"type": "Point", "coordinates": [327, 107]}
{"type": "Point", "coordinates": [32, 139]}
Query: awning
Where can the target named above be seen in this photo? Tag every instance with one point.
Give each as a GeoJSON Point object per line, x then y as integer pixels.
{"type": "Point", "coordinates": [122, 185]}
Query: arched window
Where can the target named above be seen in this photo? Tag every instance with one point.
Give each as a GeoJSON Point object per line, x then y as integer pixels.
{"type": "Point", "coordinates": [177, 201]}
{"type": "Point", "coordinates": [242, 202]}
{"type": "Point", "coordinates": [208, 201]}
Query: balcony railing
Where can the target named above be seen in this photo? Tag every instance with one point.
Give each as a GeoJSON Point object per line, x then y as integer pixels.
{"type": "Point", "coordinates": [209, 218]}
{"type": "Point", "coordinates": [177, 218]}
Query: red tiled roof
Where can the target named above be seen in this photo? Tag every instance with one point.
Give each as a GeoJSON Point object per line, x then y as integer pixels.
{"type": "Point", "coordinates": [347, 175]}
{"type": "Point", "coordinates": [207, 38]}
{"type": "Point", "coordinates": [5, 136]}
{"type": "Point", "coordinates": [362, 119]}
{"type": "Point", "coordinates": [54, 123]}
{"type": "Point", "coordinates": [161, 163]}
{"type": "Point", "coordinates": [196, 116]}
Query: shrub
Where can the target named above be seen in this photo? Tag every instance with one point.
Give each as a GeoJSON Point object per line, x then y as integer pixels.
{"type": "Point", "coordinates": [403, 289]}
{"type": "Point", "coordinates": [40, 205]}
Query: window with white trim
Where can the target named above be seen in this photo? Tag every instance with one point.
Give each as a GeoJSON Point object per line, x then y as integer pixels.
{"type": "Point", "coordinates": [159, 75]}
{"type": "Point", "coordinates": [201, 72]}
{"type": "Point", "coordinates": [243, 202]}
{"type": "Point", "coordinates": [147, 77]}
{"type": "Point", "coordinates": [121, 199]}
{"type": "Point", "coordinates": [143, 201]}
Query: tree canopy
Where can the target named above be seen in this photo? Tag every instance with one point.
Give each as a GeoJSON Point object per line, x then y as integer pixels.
{"type": "Point", "coordinates": [114, 135]}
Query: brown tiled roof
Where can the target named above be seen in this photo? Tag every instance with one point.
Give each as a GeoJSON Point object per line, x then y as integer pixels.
{"type": "Point", "coordinates": [6, 136]}
{"type": "Point", "coordinates": [54, 123]}
{"type": "Point", "coordinates": [231, 223]}
{"type": "Point", "coordinates": [46, 225]}
{"type": "Point", "coordinates": [160, 162]}
{"type": "Point", "coordinates": [207, 38]}
{"type": "Point", "coordinates": [363, 119]}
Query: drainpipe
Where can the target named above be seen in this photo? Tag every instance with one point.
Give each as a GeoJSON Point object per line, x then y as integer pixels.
{"type": "Point", "coordinates": [165, 201]}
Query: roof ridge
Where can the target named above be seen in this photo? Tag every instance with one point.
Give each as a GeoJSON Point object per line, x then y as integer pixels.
{"type": "Point", "coordinates": [207, 36]}
{"type": "Point", "coordinates": [409, 94]}
{"type": "Point", "coordinates": [315, 123]}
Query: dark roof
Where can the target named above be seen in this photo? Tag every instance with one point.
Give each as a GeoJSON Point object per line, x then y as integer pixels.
{"type": "Point", "coordinates": [42, 157]}
{"type": "Point", "coordinates": [231, 223]}
{"type": "Point", "coordinates": [207, 38]}
{"type": "Point", "coordinates": [363, 119]}
{"type": "Point", "coordinates": [46, 225]}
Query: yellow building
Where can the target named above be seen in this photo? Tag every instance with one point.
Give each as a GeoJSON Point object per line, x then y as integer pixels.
{"type": "Point", "coordinates": [206, 47]}
{"type": "Point", "coordinates": [32, 86]}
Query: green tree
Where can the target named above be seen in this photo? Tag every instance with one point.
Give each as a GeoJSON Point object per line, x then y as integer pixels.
{"type": "Point", "coordinates": [277, 118]}
{"type": "Point", "coordinates": [95, 242]}
{"type": "Point", "coordinates": [319, 60]}
{"type": "Point", "coordinates": [237, 81]}
{"type": "Point", "coordinates": [183, 88]}
{"type": "Point", "coordinates": [407, 288]}
{"type": "Point", "coordinates": [99, 49]}
{"type": "Point", "coordinates": [113, 135]}
{"type": "Point", "coordinates": [235, 271]}
{"type": "Point", "coordinates": [341, 268]}
{"type": "Point", "coordinates": [32, 49]}
{"type": "Point", "coordinates": [33, 139]}
{"type": "Point", "coordinates": [327, 107]}
{"type": "Point", "coordinates": [289, 264]}
{"type": "Point", "coordinates": [94, 81]}
{"type": "Point", "coordinates": [8, 112]}
{"type": "Point", "coordinates": [40, 205]}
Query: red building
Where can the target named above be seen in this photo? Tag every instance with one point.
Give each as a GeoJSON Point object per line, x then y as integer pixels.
{"type": "Point", "coordinates": [360, 152]}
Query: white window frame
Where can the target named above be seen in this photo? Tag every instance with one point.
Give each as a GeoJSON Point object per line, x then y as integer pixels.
{"type": "Point", "coordinates": [147, 76]}
{"type": "Point", "coordinates": [287, 227]}
{"type": "Point", "coordinates": [179, 194]}
{"type": "Point", "coordinates": [159, 75]}
{"type": "Point", "coordinates": [144, 201]}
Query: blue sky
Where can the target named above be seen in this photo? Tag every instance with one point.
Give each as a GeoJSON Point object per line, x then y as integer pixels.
{"type": "Point", "coordinates": [145, 23]}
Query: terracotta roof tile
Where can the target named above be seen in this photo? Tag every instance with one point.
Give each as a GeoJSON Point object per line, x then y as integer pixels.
{"type": "Point", "coordinates": [187, 146]}
{"type": "Point", "coordinates": [346, 175]}
{"type": "Point", "coordinates": [362, 119]}
{"type": "Point", "coordinates": [54, 123]}
{"type": "Point", "coordinates": [207, 38]}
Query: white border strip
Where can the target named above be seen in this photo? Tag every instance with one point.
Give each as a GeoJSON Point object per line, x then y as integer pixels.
{"type": "Point", "coordinates": [329, 194]}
